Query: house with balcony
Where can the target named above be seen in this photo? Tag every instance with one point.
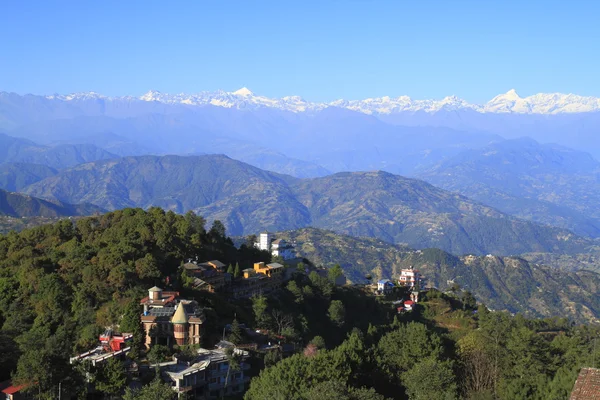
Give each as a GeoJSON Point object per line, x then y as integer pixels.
{"type": "Point", "coordinates": [410, 277]}
{"type": "Point", "coordinates": [209, 375]}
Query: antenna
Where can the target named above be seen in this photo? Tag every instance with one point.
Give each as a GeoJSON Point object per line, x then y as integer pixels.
{"type": "Point", "coordinates": [594, 353]}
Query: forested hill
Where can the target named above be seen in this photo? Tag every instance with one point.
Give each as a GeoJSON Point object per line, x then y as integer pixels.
{"type": "Point", "coordinates": [248, 200]}
{"type": "Point", "coordinates": [61, 284]}
{"type": "Point", "coordinates": [502, 283]}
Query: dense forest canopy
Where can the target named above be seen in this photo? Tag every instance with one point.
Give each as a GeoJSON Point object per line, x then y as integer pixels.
{"type": "Point", "coordinates": [62, 284]}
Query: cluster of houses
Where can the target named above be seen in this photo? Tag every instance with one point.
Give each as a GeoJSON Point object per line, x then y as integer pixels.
{"type": "Point", "coordinates": [409, 278]}
{"type": "Point", "coordinates": [260, 279]}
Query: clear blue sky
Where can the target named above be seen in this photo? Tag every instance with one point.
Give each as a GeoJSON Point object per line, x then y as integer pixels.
{"type": "Point", "coordinates": [321, 50]}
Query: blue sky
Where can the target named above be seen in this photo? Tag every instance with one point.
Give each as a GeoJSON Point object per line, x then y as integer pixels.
{"type": "Point", "coordinates": [320, 50]}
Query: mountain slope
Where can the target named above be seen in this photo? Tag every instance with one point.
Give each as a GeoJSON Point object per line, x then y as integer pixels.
{"type": "Point", "coordinates": [13, 149]}
{"type": "Point", "coordinates": [16, 176]}
{"type": "Point", "coordinates": [549, 184]}
{"type": "Point", "coordinates": [20, 205]}
{"type": "Point", "coordinates": [250, 196]}
{"type": "Point", "coordinates": [402, 210]}
{"type": "Point", "coordinates": [249, 200]}
{"type": "Point", "coordinates": [502, 283]}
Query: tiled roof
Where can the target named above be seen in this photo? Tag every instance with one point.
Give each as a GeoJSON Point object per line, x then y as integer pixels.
{"type": "Point", "coordinates": [7, 387]}
{"type": "Point", "coordinates": [587, 385]}
{"type": "Point", "coordinates": [218, 263]}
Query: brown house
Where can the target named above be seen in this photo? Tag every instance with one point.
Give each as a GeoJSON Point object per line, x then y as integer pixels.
{"type": "Point", "coordinates": [209, 275]}
{"type": "Point", "coordinates": [169, 320]}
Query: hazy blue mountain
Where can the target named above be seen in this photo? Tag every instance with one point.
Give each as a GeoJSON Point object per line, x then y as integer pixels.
{"type": "Point", "coordinates": [333, 138]}
{"type": "Point", "coordinates": [249, 200]}
{"type": "Point", "coordinates": [549, 184]}
{"type": "Point", "coordinates": [16, 176]}
{"type": "Point", "coordinates": [21, 205]}
{"type": "Point", "coordinates": [14, 149]}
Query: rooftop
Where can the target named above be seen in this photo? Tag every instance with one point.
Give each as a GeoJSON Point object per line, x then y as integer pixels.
{"type": "Point", "coordinates": [7, 387]}
{"type": "Point", "coordinates": [587, 385]}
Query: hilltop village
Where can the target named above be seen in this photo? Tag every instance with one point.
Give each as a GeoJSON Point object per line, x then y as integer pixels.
{"type": "Point", "coordinates": [171, 322]}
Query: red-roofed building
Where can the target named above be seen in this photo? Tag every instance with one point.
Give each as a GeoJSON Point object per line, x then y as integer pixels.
{"type": "Point", "coordinates": [587, 385]}
{"type": "Point", "coordinates": [12, 392]}
{"type": "Point", "coordinates": [409, 304]}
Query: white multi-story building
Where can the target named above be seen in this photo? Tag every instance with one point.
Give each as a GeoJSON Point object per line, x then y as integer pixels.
{"type": "Point", "coordinates": [409, 277]}
{"type": "Point", "coordinates": [264, 241]}
{"type": "Point", "coordinates": [277, 248]}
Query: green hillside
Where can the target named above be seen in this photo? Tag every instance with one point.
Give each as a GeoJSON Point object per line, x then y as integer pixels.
{"type": "Point", "coordinates": [502, 283]}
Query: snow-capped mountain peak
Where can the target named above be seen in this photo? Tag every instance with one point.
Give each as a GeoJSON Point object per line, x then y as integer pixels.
{"type": "Point", "coordinates": [243, 92]}
{"type": "Point", "coordinates": [244, 98]}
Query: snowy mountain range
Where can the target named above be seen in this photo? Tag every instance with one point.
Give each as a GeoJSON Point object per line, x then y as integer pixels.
{"type": "Point", "coordinates": [509, 102]}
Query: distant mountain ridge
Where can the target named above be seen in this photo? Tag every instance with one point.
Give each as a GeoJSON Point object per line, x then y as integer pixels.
{"type": "Point", "coordinates": [13, 149]}
{"type": "Point", "coordinates": [545, 183]}
{"type": "Point", "coordinates": [21, 205]}
{"type": "Point", "coordinates": [509, 102]}
{"type": "Point", "coordinates": [249, 200]}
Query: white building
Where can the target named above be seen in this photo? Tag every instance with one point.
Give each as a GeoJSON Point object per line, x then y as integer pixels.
{"type": "Point", "coordinates": [281, 248]}
{"type": "Point", "coordinates": [264, 241]}
{"type": "Point", "coordinates": [409, 277]}
{"type": "Point", "coordinates": [277, 248]}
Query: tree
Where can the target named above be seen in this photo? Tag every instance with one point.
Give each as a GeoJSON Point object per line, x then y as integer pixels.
{"type": "Point", "coordinates": [430, 379]}
{"type": "Point", "coordinates": [399, 350]}
{"type": "Point", "coordinates": [217, 230]}
{"type": "Point", "coordinates": [111, 377]}
{"type": "Point", "coordinates": [147, 267]}
{"type": "Point", "coordinates": [158, 353]}
{"type": "Point", "coordinates": [319, 342]}
{"type": "Point", "coordinates": [294, 289]}
{"type": "Point", "coordinates": [236, 335]}
{"type": "Point", "coordinates": [230, 270]}
{"type": "Point", "coordinates": [337, 312]}
{"type": "Point", "coordinates": [155, 390]}
{"type": "Point", "coordinates": [233, 363]}
{"type": "Point", "coordinates": [478, 367]}
{"type": "Point", "coordinates": [320, 283]}
{"type": "Point", "coordinates": [237, 272]}
{"type": "Point", "coordinates": [272, 357]}
{"type": "Point", "coordinates": [130, 323]}
{"type": "Point", "coordinates": [259, 307]}
{"type": "Point", "coordinates": [334, 273]}
{"type": "Point", "coordinates": [251, 241]}
{"type": "Point", "coordinates": [340, 391]}
{"type": "Point", "coordinates": [469, 301]}
{"type": "Point", "coordinates": [282, 321]}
